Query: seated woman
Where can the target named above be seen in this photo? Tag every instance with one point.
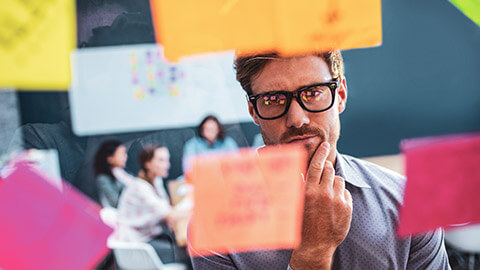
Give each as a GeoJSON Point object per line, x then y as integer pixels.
{"type": "Point", "coordinates": [211, 138]}
{"type": "Point", "coordinates": [110, 177]}
{"type": "Point", "coordinates": [144, 210]}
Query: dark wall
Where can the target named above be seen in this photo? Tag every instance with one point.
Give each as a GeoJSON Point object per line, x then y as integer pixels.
{"type": "Point", "coordinates": [423, 80]}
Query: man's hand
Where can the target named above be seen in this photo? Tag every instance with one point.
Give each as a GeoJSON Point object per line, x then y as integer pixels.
{"type": "Point", "coordinates": [327, 214]}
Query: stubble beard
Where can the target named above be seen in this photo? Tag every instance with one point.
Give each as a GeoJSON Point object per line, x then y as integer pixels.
{"type": "Point", "coordinates": [292, 132]}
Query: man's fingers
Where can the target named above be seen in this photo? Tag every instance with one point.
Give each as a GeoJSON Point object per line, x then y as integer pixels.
{"type": "Point", "coordinates": [328, 176]}
{"type": "Point", "coordinates": [339, 186]}
{"type": "Point", "coordinates": [348, 198]}
{"type": "Point", "coordinates": [317, 162]}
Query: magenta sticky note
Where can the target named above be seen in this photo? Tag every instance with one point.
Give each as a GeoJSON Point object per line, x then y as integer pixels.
{"type": "Point", "coordinates": [44, 227]}
{"type": "Point", "coordinates": [443, 182]}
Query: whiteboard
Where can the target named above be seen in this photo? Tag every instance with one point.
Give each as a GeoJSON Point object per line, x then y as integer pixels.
{"type": "Point", "coordinates": [134, 88]}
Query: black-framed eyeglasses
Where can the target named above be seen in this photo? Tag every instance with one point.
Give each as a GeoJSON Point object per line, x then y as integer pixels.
{"type": "Point", "coordinates": [314, 98]}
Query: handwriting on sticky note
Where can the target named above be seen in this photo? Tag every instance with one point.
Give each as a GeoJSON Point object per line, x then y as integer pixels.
{"type": "Point", "coordinates": [446, 168]}
{"type": "Point", "coordinates": [36, 38]}
{"type": "Point", "coordinates": [249, 200]}
{"type": "Point", "coordinates": [250, 204]}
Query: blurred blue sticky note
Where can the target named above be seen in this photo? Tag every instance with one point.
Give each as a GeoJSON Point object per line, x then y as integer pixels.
{"type": "Point", "coordinates": [471, 8]}
{"type": "Point", "coordinates": [133, 88]}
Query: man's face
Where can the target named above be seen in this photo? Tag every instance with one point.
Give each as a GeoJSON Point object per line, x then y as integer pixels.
{"type": "Point", "coordinates": [298, 125]}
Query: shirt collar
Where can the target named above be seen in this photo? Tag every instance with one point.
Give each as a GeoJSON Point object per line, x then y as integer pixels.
{"type": "Point", "coordinates": [345, 170]}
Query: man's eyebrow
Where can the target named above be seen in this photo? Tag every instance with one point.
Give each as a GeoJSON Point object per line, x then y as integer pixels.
{"type": "Point", "coordinates": [273, 89]}
{"type": "Point", "coordinates": [310, 85]}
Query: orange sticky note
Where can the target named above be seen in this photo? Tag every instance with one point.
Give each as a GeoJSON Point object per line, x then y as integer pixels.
{"type": "Point", "coordinates": [248, 200]}
{"type": "Point", "coordinates": [313, 26]}
{"type": "Point", "coordinates": [248, 26]}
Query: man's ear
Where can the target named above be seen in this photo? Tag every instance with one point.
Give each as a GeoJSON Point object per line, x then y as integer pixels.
{"type": "Point", "coordinates": [342, 94]}
{"type": "Point", "coordinates": [251, 110]}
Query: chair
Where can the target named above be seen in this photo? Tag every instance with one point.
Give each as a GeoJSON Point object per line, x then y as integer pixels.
{"type": "Point", "coordinates": [139, 256]}
{"type": "Point", "coordinates": [465, 239]}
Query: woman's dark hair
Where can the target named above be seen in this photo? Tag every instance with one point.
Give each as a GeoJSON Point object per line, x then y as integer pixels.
{"type": "Point", "coordinates": [221, 130]}
{"type": "Point", "coordinates": [100, 163]}
{"type": "Point", "coordinates": [147, 154]}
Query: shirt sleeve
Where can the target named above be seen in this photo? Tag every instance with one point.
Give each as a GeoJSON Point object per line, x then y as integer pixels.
{"type": "Point", "coordinates": [428, 252]}
{"type": "Point", "coordinates": [156, 208]}
{"type": "Point", "coordinates": [108, 188]}
{"type": "Point", "coordinates": [214, 262]}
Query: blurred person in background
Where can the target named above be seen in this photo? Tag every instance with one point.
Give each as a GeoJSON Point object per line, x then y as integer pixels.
{"type": "Point", "coordinates": [210, 138]}
{"type": "Point", "coordinates": [154, 165]}
{"type": "Point", "coordinates": [144, 210]}
{"type": "Point", "coordinates": [110, 177]}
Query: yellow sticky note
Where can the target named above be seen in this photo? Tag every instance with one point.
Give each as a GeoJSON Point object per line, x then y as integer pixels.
{"type": "Point", "coordinates": [36, 38]}
{"type": "Point", "coordinates": [248, 201]}
{"type": "Point", "coordinates": [249, 26]}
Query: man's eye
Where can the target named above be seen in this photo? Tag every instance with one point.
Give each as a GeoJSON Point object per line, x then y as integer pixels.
{"type": "Point", "coordinates": [313, 94]}
{"type": "Point", "coordinates": [278, 99]}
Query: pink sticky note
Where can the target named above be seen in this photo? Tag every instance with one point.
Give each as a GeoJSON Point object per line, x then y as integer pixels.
{"type": "Point", "coordinates": [443, 181]}
{"type": "Point", "coordinates": [43, 226]}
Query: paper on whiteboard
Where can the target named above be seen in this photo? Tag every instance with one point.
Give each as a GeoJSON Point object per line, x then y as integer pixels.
{"type": "Point", "coordinates": [133, 88]}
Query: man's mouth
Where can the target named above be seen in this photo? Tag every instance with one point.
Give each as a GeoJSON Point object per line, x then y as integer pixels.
{"type": "Point", "coordinates": [301, 139]}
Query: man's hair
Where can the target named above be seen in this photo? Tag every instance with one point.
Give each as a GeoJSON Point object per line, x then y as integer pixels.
{"type": "Point", "coordinates": [250, 66]}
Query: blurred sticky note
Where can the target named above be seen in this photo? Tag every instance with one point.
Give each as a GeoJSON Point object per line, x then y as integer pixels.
{"type": "Point", "coordinates": [250, 26]}
{"type": "Point", "coordinates": [443, 181]}
{"type": "Point", "coordinates": [43, 226]}
{"type": "Point", "coordinates": [248, 200]}
{"type": "Point", "coordinates": [36, 38]}
{"type": "Point", "coordinates": [9, 121]}
{"type": "Point", "coordinates": [471, 8]}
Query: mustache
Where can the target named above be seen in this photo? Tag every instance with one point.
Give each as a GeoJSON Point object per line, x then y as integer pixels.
{"type": "Point", "coordinates": [302, 131]}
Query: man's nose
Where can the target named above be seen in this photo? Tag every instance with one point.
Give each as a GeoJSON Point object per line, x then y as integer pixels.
{"type": "Point", "coordinates": [296, 115]}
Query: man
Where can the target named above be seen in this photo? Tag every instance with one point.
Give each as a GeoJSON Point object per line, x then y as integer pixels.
{"type": "Point", "coordinates": [351, 206]}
